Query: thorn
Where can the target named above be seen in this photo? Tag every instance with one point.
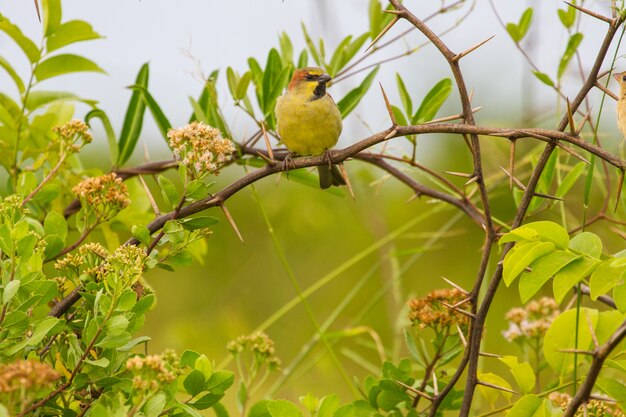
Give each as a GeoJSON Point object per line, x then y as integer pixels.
{"type": "Point", "coordinates": [472, 49]}
{"type": "Point", "coordinates": [458, 310]}
{"type": "Point", "coordinates": [38, 12]}
{"type": "Point", "coordinates": [416, 391]}
{"type": "Point", "coordinates": [153, 203]}
{"type": "Point", "coordinates": [450, 118]}
{"type": "Point", "coordinates": [498, 387]}
{"type": "Point", "coordinates": [459, 174]}
{"type": "Point", "coordinates": [618, 232]}
{"type": "Point", "coordinates": [602, 398]}
{"type": "Point", "coordinates": [433, 374]}
{"type": "Point", "coordinates": [579, 351]}
{"type": "Point", "coordinates": [458, 287]}
{"type": "Point", "coordinates": [461, 336]}
{"type": "Point", "coordinates": [231, 221]}
{"type": "Point", "coordinates": [266, 159]}
{"type": "Point", "coordinates": [512, 146]}
{"type": "Point", "coordinates": [267, 141]}
{"type": "Point", "coordinates": [606, 91]}
{"type": "Point", "coordinates": [385, 30]}
{"type": "Point", "coordinates": [391, 134]}
{"type": "Point", "coordinates": [460, 303]}
{"type": "Point", "coordinates": [620, 185]}
{"type": "Point", "coordinates": [394, 123]}
{"type": "Point", "coordinates": [586, 118]}
{"type": "Point", "coordinates": [516, 182]}
{"type": "Point", "coordinates": [394, 11]}
{"type": "Point", "coordinates": [590, 13]}
{"type": "Point", "coordinates": [570, 118]}
{"type": "Point", "coordinates": [412, 198]}
{"type": "Point", "coordinates": [548, 196]}
{"type": "Point", "coordinates": [344, 174]}
{"type": "Point", "coordinates": [528, 269]}
{"type": "Point", "coordinates": [489, 355]}
{"type": "Point", "coordinates": [471, 180]}
{"type": "Point", "coordinates": [591, 331]}
{"type": "Point", "coordinates": [571, 152]}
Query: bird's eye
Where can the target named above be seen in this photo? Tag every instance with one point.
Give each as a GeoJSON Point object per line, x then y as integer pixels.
{"type": "Point", "coordinates": [310, 77]}
{"type": "Point", "coordinates": [623, 77]}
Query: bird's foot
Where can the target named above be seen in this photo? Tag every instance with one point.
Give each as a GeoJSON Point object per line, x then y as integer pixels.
{"type": "Point", "coordinates": [288, 163]}
{"type": "Point", "coordinates": [328, 157]}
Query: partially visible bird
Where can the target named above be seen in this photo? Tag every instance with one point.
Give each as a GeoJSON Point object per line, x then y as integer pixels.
{"type": "Point", "coordinates": [621, 102]}
{"type": "Point", "coordinates": [309, 122]}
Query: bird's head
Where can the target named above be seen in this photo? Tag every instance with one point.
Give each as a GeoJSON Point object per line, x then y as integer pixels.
{"type": "Point", "coordinates": [310, 81]}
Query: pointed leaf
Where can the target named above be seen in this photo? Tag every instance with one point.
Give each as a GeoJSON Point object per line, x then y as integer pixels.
{"type": "Point", "coordinates": [163, 124]}
{"type": "Point", "coordinates": [69, 33]}
{"type": "Point", "coordinates": [133, 121]}
{"type": "Point", "coordinates": [350, 101]}
{"type": "Point", "coordinates": [433, 101]}
{"type": "Point", "coordinates": [544, 78]}
{"type": "Point", "coordinates": [542, 270]}
{"type": "Point", "coordinates": [51, 16]}
{"type": "Point", "coordinates": [570, 50]}
{"type": "Point", "coordinates": [13, 74]}
{"type": "Point", "coordinates": [28, 46]}
{"type": "Point", "coordinates": [571, 275]}
{"type": "Point", "coordinates": [108, 130]}
{"type": "Point", "coordinates": [526, 254]}
{"type": "Point", "coordinates": [64, 64]}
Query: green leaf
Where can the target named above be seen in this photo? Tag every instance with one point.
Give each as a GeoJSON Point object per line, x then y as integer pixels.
{"type": "Point", "coordinates": [588, 244]}
{"type": "Point", "coordinates": [37, 99]}
{"type": "Point", "coordinates": [283, 408]}
{"type": "Point", "coordinates": [286, 48]}
{"type": "Point", "coordinates": [350, 101]}
{"type": "Point", "coordinates": [352, 49]}
{"type": "Point", "coordinates": [219, 381]}
{"type": "Point", "coordinates": [206, 401]}
{"type": "Point", "coordinates": [518, 31]}
{"type": "Point", "coordinates": [433, 102]}
{"type": "Point", "coordinates": [328, 405]}
{"type": "Point", "coordinates": [10, 290]}
{"type": "Point", "coordinates": [100, 363]}
{"type": "Point", "coordinates": [619, 296]}
{"type": "Point", "coordinates": [530, 406]}
{"type": "Point", "coordinates": [522, 372]}
{"type": "Point", "coordinates": [201, 222]}
{"type": "Point", "coordinates": [108, 130]}
{"type": "Point", "coordinates": [13, 74]}
{"type": "Point", "coordinates": [570, 179]}
{"type": "Point", "coordinates": [492, 394]}
{"type": "Point", "coordinates": [567, 16]}
{"type": "Point", "coordinates": [188, 410]}
{"type": "Point", "coordinates": [162, 123]}
{"type": "Point", "coordinates": [562, 336]}
{"type": "Point", "coordinates": [516, 261]}
{"type": "Point", "coordinates": [70, 32]}
{"type": "Point", "coordinates": [539, 231]}
{"type": "Point", "coordinates": [134, 342]}
{"type": "Point", "coordinates": [26, 45]}
{"type": "Point", "coordinates": [604, 278]}
{"type": "Point", "coordinates": [570, 50]}
{"type": "Point", "coordinates": [188, 358]}
{"type": "Point", "coordinates": [542, 270]}
{"type": "Point", "coordinates": [571, 275]}
{"type": "Point", "coordinates": [544, 78]}
{"type": "Point", "coordinates": [51, 16]}
{"type": "Point", "coordinates": [232, 80]}
{"type": "Point", "coordinates": [55, 224]}
{"type": "Point", "coordinates": [242, 85]}
{"type": "Point", "coordinates": [407, 104]}
{"type": "Point", "coordinates": [133, 120]}
{"type": "Point", "coordinates": [311, 46]}
{"type": "Point", "coordinates": [42, 329]}
{"type": "Point", "coordinates": [155, 405]}
{"type": "Point", "coordinates": [194, 382]}
{"type": "Point", "coordinates": [336, 59]}
{"type": "Point", "coordinates": [64, 64]}
{"type": "Point", "coordinates": [141, 233]}
{"type": "Point", "coordinates": [170, 193]}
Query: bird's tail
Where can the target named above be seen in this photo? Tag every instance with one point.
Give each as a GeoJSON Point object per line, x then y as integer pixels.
{"type": "Point", "coordinates": [329, 176]}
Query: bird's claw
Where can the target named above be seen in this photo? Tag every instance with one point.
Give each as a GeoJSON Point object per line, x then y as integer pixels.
{"type": "Point", "coordinates": [288, 163]}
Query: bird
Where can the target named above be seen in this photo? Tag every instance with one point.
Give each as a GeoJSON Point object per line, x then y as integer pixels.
{"type": "Point", "coordinates": [309, 121]}
{"type": "Point", "coordinates": [621, 102]}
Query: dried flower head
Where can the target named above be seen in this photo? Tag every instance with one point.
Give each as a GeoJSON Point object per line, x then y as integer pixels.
{"type": "Point", "coordinates": [431, 311]}
{"type": "Point", "coordinates": [201, 149]}
{"type": "Point", "coordinates": [73, 135]}
{"type": "Point", "coordinates": [594, 408]}
{"type": "Point", "coordinates": [532, 321]}
{"type": "Point", "coordinates": [105, 195]}
{"type": "Point", "coordinates": [26, 374]}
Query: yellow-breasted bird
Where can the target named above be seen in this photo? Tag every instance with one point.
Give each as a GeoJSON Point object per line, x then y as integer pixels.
{"type": "Point", "coordinates": [621, 102]}
{"type": "Point", "coordinates": [309, 122]}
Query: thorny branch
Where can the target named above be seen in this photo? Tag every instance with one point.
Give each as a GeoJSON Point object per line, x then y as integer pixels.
{"type": "Point", "coordinates": [467, 128]}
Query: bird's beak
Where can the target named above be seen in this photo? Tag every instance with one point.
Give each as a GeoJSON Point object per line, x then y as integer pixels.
{"type": "Point", "coordinates": [324, 78]}
{"type": "Point", "coordinates": [618, 77]}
